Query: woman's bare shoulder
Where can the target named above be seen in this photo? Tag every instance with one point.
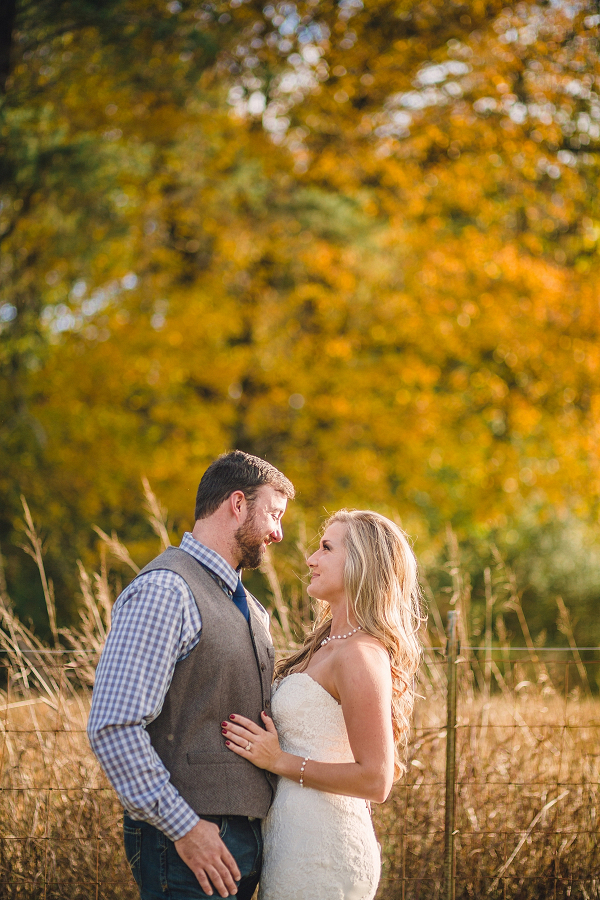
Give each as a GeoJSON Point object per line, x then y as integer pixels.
{"type": "Point", "coordinates": [364, 653]}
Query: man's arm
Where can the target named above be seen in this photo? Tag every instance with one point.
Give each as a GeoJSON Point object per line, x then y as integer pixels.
{"type": "Point", "coordinates": [153, 626]}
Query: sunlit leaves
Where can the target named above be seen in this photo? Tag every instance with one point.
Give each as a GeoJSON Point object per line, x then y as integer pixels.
{"type": "Point", "coordinates": [358, 240]}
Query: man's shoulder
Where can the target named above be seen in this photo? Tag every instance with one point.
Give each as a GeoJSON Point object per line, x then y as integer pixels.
{"type": "Point", "coordinates": [172, 559]}
{"type": "Point", "coordinates": [157, 582]}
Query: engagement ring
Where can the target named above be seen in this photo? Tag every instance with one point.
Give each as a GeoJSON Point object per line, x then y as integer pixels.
{"type": "Point", "coordinates": [248, 745]}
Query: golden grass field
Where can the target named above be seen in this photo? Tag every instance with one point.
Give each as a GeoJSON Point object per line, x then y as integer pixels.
{"type": "Point", "coordinates": [527, 788]}
{"type": "Point", "coordinates": [527, 768]}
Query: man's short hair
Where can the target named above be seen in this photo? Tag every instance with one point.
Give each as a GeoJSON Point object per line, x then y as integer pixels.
{"type": "Point", "coordinates": [237, 471]}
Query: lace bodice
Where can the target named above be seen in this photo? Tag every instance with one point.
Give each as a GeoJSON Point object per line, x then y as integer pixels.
{"type": "Point", "coordinates": [309, 720]}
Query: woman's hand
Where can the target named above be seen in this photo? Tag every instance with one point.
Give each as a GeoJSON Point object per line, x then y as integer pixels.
{"type": "Point", "coordinates": [264, 750]}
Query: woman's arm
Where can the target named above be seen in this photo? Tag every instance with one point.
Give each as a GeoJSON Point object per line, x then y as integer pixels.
{"type": "Point", "coordinates": [362, 679]}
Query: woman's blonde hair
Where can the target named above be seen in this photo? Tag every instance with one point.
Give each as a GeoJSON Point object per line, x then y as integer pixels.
{"type": "Point", "coordinates": [380, 580]}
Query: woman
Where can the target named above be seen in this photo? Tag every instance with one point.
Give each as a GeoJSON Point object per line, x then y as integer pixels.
{"type": "Point", "coordinates": [341, 711]}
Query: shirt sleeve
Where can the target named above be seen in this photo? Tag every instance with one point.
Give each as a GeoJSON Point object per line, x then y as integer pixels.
{"type": "Point", "coordinates": [151, 629]}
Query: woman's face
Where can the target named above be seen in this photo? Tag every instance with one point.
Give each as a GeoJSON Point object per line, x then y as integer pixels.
{"type": "Point", "coordinates": [327, 566]}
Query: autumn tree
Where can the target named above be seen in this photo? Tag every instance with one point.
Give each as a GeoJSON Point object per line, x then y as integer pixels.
{"type": "Point", "coordinates": [358, 240]}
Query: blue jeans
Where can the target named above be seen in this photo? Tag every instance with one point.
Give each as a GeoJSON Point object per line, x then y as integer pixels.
{"type": "Point", "coordinates": [160, 872]}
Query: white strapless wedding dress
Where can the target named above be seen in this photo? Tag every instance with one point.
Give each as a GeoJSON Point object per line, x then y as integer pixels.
{"type": "Point", "coordinates": [318, 846]}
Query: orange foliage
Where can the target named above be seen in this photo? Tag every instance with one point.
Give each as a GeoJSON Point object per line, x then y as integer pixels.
{"type": "Point", "coordinates": [393, 295]}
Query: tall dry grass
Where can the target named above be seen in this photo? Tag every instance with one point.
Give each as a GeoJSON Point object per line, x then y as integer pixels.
{"type": "Point", "coordinates": [527, 759]}
{"type": "Point", "coordinates": [528, 770]}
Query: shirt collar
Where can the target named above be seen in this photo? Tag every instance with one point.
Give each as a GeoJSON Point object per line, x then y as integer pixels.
{"type": "Point", "coordinates": [211, 559]}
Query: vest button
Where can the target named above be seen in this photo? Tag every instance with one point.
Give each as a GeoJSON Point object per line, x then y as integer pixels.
{"type": "Point", "coordinates": [262, 667]}
{"type": "Point", "coordinates": [170, 737]}
{"type": "Point", "coordinates": [267, 704]}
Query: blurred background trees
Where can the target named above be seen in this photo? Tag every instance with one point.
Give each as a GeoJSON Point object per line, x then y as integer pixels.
{"type": "Point", "coordinates": [358, 240]}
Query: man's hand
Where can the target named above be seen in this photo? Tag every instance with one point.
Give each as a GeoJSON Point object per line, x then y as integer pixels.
{"type": "Point", "coordinates": [209, 859]}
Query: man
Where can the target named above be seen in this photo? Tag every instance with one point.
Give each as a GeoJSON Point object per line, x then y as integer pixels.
{"type": "Point", "coordinates": [188, 646]}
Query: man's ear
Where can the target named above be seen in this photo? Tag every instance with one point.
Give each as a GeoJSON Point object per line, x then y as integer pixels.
{"type": "Point", "coordinates": [238, 504]}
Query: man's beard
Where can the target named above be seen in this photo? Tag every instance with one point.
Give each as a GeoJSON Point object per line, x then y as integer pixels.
{"type": "Point", "coordinates": [250, 545]}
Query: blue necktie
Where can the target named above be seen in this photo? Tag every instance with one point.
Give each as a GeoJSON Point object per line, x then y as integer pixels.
{"type": "Point", "coordinates": [239, 598]}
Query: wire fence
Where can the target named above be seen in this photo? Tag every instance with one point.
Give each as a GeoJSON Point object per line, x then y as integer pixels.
{"type": "Point", "coordinates": [60, 822]}
{"type": "Point", "coordinates": [511, 812]}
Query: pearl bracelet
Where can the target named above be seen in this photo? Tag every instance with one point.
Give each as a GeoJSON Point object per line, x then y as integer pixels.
{"type": "Point", "coordinates": [302, 768]}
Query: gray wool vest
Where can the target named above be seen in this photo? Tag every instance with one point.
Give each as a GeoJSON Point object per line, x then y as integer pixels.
{"type": "Point", "coordinates": [229, 671]}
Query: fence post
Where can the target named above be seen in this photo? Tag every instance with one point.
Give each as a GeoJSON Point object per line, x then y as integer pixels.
{"type": "Point", "coordinates": [451, 656]}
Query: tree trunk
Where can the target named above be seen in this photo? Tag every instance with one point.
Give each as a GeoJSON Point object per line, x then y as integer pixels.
{"type": "Point", "coordinates": [7, 20]}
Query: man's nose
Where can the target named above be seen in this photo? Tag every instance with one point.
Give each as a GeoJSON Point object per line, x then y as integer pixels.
{"type": "Point", "coordinates": [277, 533]}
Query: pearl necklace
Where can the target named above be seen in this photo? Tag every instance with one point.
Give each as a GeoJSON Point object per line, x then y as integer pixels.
{"type": "Point", "coordinates": [340, 637]}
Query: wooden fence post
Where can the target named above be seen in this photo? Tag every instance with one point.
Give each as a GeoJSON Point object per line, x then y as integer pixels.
{"type": "Point", "coordinates": [449, 819]}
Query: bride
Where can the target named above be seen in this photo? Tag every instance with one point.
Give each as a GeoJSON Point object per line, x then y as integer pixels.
{"type": "Point", "coordinates": [341, 713]}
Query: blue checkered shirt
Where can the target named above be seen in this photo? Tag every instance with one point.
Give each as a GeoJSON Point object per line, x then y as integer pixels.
{"type": "Point", "coordinates": [155, 624]}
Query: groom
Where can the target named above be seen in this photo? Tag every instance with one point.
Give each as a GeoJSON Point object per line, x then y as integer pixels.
{"type": "Point", "coordinates": [187, 646]}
